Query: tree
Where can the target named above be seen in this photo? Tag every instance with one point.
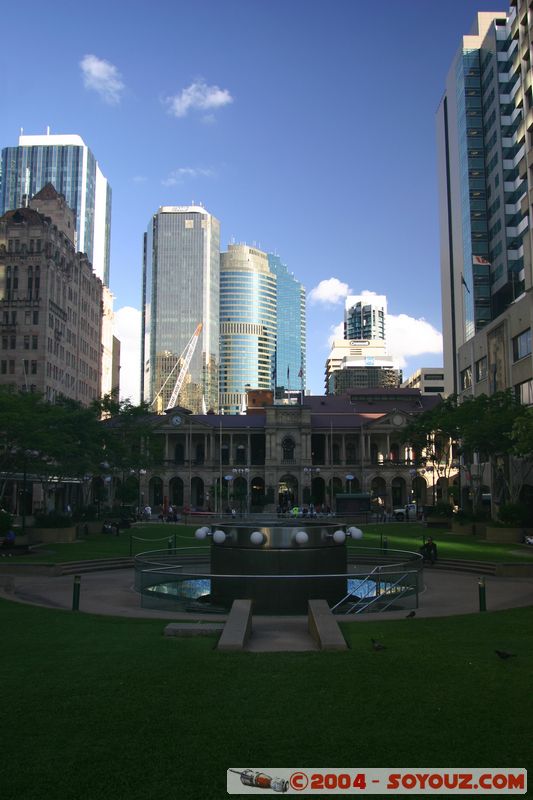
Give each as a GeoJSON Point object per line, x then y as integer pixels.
{"type": "Point", "coordinates": [130, 443]}
{"type": "Point", "coordinates": [434, 436]}
{"type": "Point", "coordinates": [522, 435]}
{"type": "Point", "coordinates": [45, 441]}
{"type": "Point", "coordinates": [481, 430]}
{"type": "Point", "coordinates": [487, 425]}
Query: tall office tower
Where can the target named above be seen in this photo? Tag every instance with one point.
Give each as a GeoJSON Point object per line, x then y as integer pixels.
{"type": "Point", "coordinates": [181, 270]}
{"type": "Point", "coordinates": [365, 317]}
{"type": "Point", "coordinates": [50, 304]}
{"type": "Point", "coordinates": [361, 358]}
{"type": "Point", "coordinates": [485, 124]}
{"type": "Point", "coordinates": [290, 361]}
{"type": "Point", "coordinates": [66, 162]}
{"type": "Point", "coordinates": [247, 324]}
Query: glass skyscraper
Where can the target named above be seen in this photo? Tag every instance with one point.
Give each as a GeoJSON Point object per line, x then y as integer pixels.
{"type": "Point", "coordinates": [247, 324]}
{"type": "Point", "coordinates": [365, 317]}
{"type": "Point", "coordinates": [181, 290]}
{"type": "Point", "coordinates": [290, 358]}
{"type": "Point", "coordinates": [66, 162]}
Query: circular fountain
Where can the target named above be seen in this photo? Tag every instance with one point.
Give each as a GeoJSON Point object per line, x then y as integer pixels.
{"type": "Point", "coordinates": [280, 567]}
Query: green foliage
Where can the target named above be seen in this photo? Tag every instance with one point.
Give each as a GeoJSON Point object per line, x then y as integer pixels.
{"type": "Point", "coordinates": [6, 522]}
{"type": "Point", "coordinates": [53, 520]}
{"type": "Point", "coordinates": [443, 510]}
{"type": "Point", "coordinates": [514, 514]}
{"type": "Point", "coordinates": [523, 435]}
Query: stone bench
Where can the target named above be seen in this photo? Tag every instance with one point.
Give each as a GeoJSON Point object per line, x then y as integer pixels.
{"type": "Point", "coordinates": [323, 626]}
{"type": "Point", "coordinates": [238, 627]}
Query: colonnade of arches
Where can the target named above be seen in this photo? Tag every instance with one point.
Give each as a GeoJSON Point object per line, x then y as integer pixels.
{"type": "Point", "coordinates": [251, 493]}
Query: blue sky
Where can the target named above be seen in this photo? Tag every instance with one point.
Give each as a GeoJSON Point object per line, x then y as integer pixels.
{"type": "Point", "coordinates": [307, 128]}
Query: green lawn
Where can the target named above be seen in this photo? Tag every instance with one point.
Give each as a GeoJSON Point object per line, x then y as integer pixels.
{"type": "Point", "coordinates": [96, 707]}
{"type": "Point", "coordinates": [407, 536]}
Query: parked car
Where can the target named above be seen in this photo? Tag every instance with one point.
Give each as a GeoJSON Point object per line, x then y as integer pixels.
{"type": "Point", "coordinates": [408, 511]}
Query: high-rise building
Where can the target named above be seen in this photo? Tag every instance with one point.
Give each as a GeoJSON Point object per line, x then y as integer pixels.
{"type": "Point", "coordinates": [485, 130]}
{"type": "Point", "coordinates": [181, 270]}
{"type": "Point", "coordinates": [361, 360]}
{"type": "Point", "coordinates": [428, 380]}
{"type": "Point", "coordinates": [290, 360]}
{"type": "Point", "coordinates": [248, 324]}
{"type": "Point", "coordinates": [50, 304]}
{"type": "Point", "coordinates": [66, 162]}
{"type": "Point", "coordinates": [365, 317]}
{"type": "Point", "coordinates": [360, 363]}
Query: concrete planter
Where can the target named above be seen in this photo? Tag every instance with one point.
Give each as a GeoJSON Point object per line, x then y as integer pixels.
{"type": "Point", "coordinates": [48, 535]}
{"type": "Point", "coordinates": [85, 528]}
{"type": "Point", "coordinates": [463, 529]}
{"type": "Point", "coordinates": [438, 522]}
{"type": "Point", "coordinates": [503, 535]}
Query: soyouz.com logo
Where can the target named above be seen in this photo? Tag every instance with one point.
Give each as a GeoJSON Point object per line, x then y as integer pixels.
{"type": "Point", "coordinates": [416, 780]}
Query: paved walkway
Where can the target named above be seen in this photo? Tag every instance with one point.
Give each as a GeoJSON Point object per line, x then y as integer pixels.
{"type": "Point", "coordinates": [112, 593]}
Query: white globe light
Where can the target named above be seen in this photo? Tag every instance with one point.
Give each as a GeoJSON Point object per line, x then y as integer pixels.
{"type": "Point", "coordinates": [219, 537]}
{"type": "Point", "coordinates": [256, 537]}
{"type": "Point", "coordinates": [355, 533]}
{"type": "Point", "coordinates": [201, 533]}
{"type": "Point", "coordinates": [339, 537]}
{"type": "Point", "coordinates": [301, 537]}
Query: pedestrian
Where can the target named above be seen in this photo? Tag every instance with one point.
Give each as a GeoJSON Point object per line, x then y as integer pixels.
{"type": "Point", "coordinates": [147, 513]}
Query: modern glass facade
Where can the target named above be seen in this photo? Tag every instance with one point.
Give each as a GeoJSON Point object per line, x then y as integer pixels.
{"type": "Point", "coordinates": [290, 358]}
{"type": "Point", "coordinates": [476, 267]}
{"type": "Point", "coordinates": [365, 318]}
{"type": "Point", "coordinates": [67, 163]}
{"type": "Point", "coordinates": [247, 324]}
{"type": "Point", "coordinates": [180, 291]}
{"type": "Point", "coordinates": [485, 168]}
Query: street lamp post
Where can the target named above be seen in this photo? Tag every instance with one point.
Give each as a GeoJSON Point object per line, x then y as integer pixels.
{"type": "Point", "coordinates": [309, 472]}
{"type": "Point", "coordinates": [413, 474]}
{"type": "Point", "coordinates": [27, 454]}
{"type": "Point", "coordinates": [349, 478]}
{"type": "Point", "coordinates": [228, 479]}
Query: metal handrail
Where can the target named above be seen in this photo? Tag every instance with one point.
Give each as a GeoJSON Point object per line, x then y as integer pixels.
{"type": "Point", "coordinates": [396, 596]}
{"type": "Point", "coordinates": [344, 599]}
{"type": "Point", "coordinates": [380, 596]}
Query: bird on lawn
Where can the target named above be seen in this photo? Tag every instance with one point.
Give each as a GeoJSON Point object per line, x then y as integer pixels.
{"type": "Point", "coordinates": [377, 645]}
{"type": "Point", "coordinates": [411, 614]}
{"type": "Point", "coordinates": [504, 654]}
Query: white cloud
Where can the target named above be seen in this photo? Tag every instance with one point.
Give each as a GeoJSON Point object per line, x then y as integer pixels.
{"type": "Point", "coordinates": [103, 77]}
{"type": "Point", "coordinates": [128, 330]}
{"type": "Point", "coordinates": [139, 179]}
{"type": "Point", "coordinates": [178, 176]}
{"type": "Point", "coordinates": [198, 97]}
{"type": "Point", "coordinates": [331, 291]}
{"type": "Point", "coordinates": [336, 332]}
{"type": "Point", "coordinates": [408, 337]}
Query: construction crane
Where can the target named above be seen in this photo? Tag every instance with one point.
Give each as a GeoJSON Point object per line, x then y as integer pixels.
{"type": "Point", "coordinates": [185, 361]}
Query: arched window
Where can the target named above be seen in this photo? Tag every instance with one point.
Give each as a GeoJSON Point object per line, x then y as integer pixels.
{"type": "Point", "coordinates": [287, 447]}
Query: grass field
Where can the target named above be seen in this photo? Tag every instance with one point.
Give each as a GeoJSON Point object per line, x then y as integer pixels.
{"type": "Point", "coordinates": [96, 707]}
{"type": "Point", "coordinates": [406, 536]}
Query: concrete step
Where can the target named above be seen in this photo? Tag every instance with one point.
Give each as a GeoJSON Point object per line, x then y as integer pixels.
{"type": "Point", "coordinates": [463, 565]}
{"type": "Point", "coordinates": [95, 565]}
